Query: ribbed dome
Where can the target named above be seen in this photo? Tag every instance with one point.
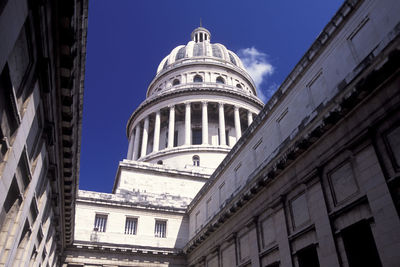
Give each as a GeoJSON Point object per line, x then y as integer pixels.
{"type": "Point", "coordinates": [200, 47]}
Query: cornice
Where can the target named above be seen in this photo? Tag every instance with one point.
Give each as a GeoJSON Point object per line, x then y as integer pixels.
{"type": "Point", "coordinates": [157, 169]}
{"type": "Point", "coordinates": [348, 98]}
{"type": "Point", "coordinates": [180, 149]}
{"type": "Point", "coordinates": [70, 52]}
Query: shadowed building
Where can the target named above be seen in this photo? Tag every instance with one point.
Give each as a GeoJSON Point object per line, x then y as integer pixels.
{"type": "Point", "coordinates": [42, 64]}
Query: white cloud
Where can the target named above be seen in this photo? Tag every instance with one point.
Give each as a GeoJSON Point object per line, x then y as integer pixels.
{"type": "Point", "coordinates": [259, 68]}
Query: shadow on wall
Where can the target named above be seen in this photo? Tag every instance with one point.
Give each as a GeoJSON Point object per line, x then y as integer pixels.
{"type": "Point", "coordinates": [183, 233]}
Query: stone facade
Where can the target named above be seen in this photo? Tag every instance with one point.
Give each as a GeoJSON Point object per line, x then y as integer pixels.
{"type": "Point", "coordinates": [42, 64]}
{"type": "Point", "coordinates": [312, 180]}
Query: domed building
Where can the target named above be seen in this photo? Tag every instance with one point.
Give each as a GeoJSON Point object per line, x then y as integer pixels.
{"type": "Point", "coordinates": [312, 181]}
{"type": "Point", "coordinates": [197, 106]}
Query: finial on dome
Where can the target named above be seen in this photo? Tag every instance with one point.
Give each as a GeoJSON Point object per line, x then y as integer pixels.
{"type": "Point", "coordinates": [200, 34]}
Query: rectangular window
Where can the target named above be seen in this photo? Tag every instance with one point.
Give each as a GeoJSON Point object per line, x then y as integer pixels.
{"type": "Point", "coordinates": [160, 229]}
{"type": "Point", "coordinates": [196, 222]}
{"type": "Point", "coordinates": [131, 226]}
{"type": "Point", "coordinates": [208, 208]}
{"type": "Point", "coordinates": [227, 137]}
{"type": "Point", "coordinates": [100, 223]}
{"type": "Point", "coordinates": [34, 134]}
{"type": "Point", "coordinates": [221, 193]}
{"type": "Point", "coordinates": [196, 136]}
{"type": "Point", "coordinates": [308, 257]}
{"type": "Point", "coordinates": [360, 246]}
{"type": "Point", "coordinates": [8, 113]}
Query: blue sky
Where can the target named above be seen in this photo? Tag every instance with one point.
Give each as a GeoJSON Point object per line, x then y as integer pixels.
{"type": "Point", "coordinates": [128, 39]}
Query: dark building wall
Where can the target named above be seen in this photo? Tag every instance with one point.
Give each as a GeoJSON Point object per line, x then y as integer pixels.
{"type": "Point", "coordinates": [43, 43]}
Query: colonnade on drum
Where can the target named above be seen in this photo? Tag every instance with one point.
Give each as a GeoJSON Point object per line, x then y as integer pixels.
{"type": "Point", "coordinates": [185, 124]}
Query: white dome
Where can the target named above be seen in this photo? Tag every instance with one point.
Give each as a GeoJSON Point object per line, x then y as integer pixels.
{"type": "Point", "coordinates": [199, 47]}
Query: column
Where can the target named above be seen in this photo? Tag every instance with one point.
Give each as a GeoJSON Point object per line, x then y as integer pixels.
{"type": "Point", "coordinates": [171, 126]}
{"type": "Point", "coordinates": [237, 124]}
{"type": "Point", "coordinates": [156, 137]}
{"type": "Point", "coordinates": [204, 125]}
{"type": "Point", "coordinates": [249, 117]}
{"type": "Point", "coordinates": [187, 124]}
{"type": "Point", "coordinates": [130, 147]}
{"type": "Point", "coordinates": [222, 136]}
{"type": "Point", "coordinates": [136, 142]}
{"type": "Point", "coordinates": [145, 137]}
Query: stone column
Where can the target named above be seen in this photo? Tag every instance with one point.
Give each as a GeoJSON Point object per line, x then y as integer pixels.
{"type": "Point", "coordinates": [171, 126]}
{"type": "Point", "coordinates": [204, 125]}
{"type": "Point", "coordinates": [130, 146]}
{"type": "Point", "coordinates": [237, 124]}
{"type": "Point", "coordinates": [222, 136]}
{"type": "Point", "coordinates": [156, 140]}
{"type": "Point", "coordinates": [145, 137]}
{"type": "Point", "coordinates": [187, 124]}
{"type": "Point", "coordinates": [249, 117]}
{"type": "Point", "coordinates": [136, 142]}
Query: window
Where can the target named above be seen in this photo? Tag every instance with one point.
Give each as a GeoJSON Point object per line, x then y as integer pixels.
{"type": "Point", "coordinates": [198, 79]}
{"type": "Point", "coordinates": [160, 229]}
{"type": "Point", "coordinates": [100, 223]}
{"type": "Point", "coordinates": [196, 222]}
{"type": "Point", "coordinates": [220, 80]}
{"type": "Point", "coordinates": [131, 226]}
{"type": "Point", "coordinates": [360, 246]}
{"type": "Point", "coordinates": [221, 193]}
{"type": "Point", "coordinates": [176, 82]}
{"type": "Point", "coordinates": [196, 160]}
{"type": "Point", "coordinates": [160, 162]}
{"type": "Point", "coordinates": [8, 113]}
{"type": "Point", "coordinates": [238, 85]}
{"type": "Point", "coordinates": [197, 137]}
{"type": "Point", "coordinates": [308, 257]}
{"type": "Point", "coordinates": [208, 208]}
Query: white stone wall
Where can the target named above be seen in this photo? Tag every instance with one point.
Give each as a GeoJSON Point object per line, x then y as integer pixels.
{"type": "Point", "coordinates": [364, 32]}
{"type": "Point", "coordinates": [86, 210]}
{"type": "Point", "coordinates": [159, 181]}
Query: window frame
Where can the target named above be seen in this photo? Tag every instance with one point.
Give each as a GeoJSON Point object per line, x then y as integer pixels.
{"type": "Point", "coordinates": [198, 78]}
{"type": "Point", "coordinates": [131, 218]}
{"type": "Point", "coordinates": [196, 160]}
{"type": "Point", "coordinates": [220, 80]}
{"type": "Point", "coordinates": [99, 215]}
{"type": "Point", "coordinates": [160, 221]}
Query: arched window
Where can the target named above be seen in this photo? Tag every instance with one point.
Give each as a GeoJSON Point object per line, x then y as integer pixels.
{"type": "Point", "coordinates": [160, 162]}
{"type": "Point", "coordinates": [176, 82]}
{"type": "Point", "coordinates": [196, 160]}
{"type": "Point", "coordinates": [220, 80]}
{"type": "Point", "coordinates": [238, 86]}
{"type": "Point", "coordinates": [198, 79]}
